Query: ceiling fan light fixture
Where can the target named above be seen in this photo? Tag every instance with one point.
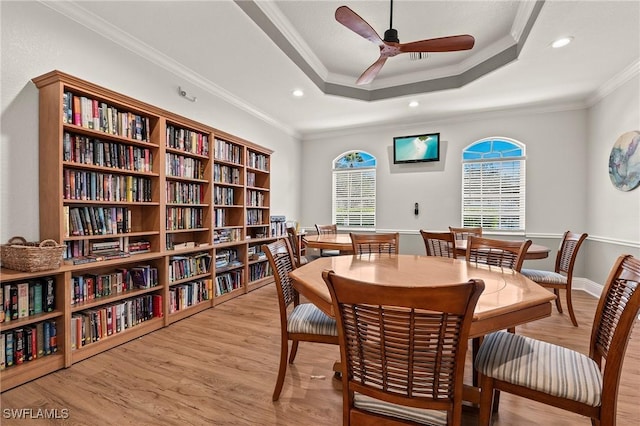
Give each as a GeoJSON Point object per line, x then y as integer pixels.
{"type": "Point", "coordinates": [414, 104]}
{"type": "Point", "coordinates": [561, 42]}
{"type": "Point", "coordinates": [298, 93]}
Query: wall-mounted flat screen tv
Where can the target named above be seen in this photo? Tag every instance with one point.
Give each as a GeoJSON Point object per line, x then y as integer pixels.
{"type": "Point", "coordinates": [416, 148]}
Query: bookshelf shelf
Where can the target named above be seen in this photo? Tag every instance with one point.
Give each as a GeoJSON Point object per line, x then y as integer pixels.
{"type": "Point", "coordinates": [125, 184]}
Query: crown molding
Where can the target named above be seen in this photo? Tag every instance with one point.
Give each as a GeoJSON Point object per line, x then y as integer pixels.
{"type": "Point", "coordinates": [74, 11]}
{"type": "Point", "coordinates": [618, 80]}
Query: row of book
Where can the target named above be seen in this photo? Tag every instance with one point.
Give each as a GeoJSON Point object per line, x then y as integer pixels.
{"type": "Point", "coordinates": [98, 186]}
{"type": "Point", "coordinates": [255, 198]}
{"type": "Point", "coordinates": [255, 217]}
{"type": "Point", "coordinates": [226, 174]}
{"type": "Point", "coordinates": [93, 114]}
{"type": "Point", "coordinates": [182, 296]}
{"type": "Point", "coordinates": [227, 258]}
{"type": "Point", "coordinates": [260, 270]}
{"type": "Point", "coordinates": [278, 226]}
{"type": "Point", "coordinates": [257, 161]}
{"type": "Point", "coordinates": [86, 150]}
{"type": "Point", "coordinates": [181, 166]}
{"type": "Point", "coordinates": [24, 299]}
{"type": "Point", "coordinates": [227, 235]}
{"type": "Point", "coordinates": [227, 151]}
{"type": "Point", "coordinates": [181, 267]}
{"type": "Point", "coordinates": [184, 218]}
{"type": "Point", "coordinates": [184, 192]}
{"type": "Point", "coordinates": [90, 220]}
{"type": "Point", "coordinates": [187, 140]}
{"type": "Point", "coordinates": [93, 325]}
{"type": "Point", "coordinates": [28, 343]}
{"type": "Point", "coordinates": [88, 287]}
{"type": "Point", "coordinates": [224, 196]}
{"type": "Point", "coordinates": [227, 282]}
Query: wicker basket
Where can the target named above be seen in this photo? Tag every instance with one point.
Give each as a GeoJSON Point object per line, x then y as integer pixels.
{"type": "Point", "coordinates": [21, 255]}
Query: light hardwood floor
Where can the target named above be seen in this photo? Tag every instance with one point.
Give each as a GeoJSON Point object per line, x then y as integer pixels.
{"type": "Point", "coordinates": [219, 368]}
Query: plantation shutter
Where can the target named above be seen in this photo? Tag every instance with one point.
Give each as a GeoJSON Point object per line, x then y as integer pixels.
{"type": "Point", "coordinates": [494, 195]}
{"type": "Point", "coordinates": [354, 198]}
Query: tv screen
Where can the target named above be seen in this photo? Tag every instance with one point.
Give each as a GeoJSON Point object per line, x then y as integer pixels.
{"type": "Point", "coordinates": [416, 148]}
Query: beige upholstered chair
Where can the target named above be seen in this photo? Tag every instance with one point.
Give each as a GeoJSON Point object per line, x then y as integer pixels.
{"type": "Point", "coordinates": [562, 276]}
{"type": "Point", "coordinates": [375, 243]}
{"type": "Point", "coordinates": [439, 243]}
{"type": "Point", "coordinates": [402, 350]}
{"type": "Point", "coordinates": [561, 377]}
{"type": "Point", "coordinates": [299, 322]}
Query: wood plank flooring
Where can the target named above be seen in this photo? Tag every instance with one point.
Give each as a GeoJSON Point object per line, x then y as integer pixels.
{"type": "Point", "coordinates": [219, 368]}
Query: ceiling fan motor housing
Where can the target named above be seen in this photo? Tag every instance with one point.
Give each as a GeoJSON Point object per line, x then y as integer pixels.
{"type": "Point", "coordinates": [391, 36]}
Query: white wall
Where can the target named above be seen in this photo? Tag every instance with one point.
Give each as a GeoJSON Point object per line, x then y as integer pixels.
{"type": "Point", "coordinates": [36, 40]}
{"type": "Point", "coordinates": [613, 216]}
{"type": "Point", "coordinates": [556, 164]}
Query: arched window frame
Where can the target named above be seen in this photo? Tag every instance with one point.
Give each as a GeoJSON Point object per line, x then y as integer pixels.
{"type": "Point", "coordinates": [354, 190]}
{"type": "Point", "coordinates": [494, 184]}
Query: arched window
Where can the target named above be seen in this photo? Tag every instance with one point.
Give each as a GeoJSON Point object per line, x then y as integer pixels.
{"type": "Point", "coordinates": [354, 190]}
{"type": "Point", "coordinates": [493, 185]}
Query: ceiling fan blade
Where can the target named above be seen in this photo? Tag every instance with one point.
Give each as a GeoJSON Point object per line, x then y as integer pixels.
{"type": "Point", "coordinates": [370, 73]}
{"type": "Point", "coordinates": [442, 44]}
{"type": "Point", "coordinates": [355, 23]}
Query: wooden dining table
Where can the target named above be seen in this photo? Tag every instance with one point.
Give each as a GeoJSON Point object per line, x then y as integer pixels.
{"type": "Point", "coordinates": [509, 298]}
{"type": "Point", "coordinates": [535, 251]}
{"type": "Point", "coordinates": [341, 242]}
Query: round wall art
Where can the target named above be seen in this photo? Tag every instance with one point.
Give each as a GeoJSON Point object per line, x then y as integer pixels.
{"type": "Point", "coordinates": [624, 161]}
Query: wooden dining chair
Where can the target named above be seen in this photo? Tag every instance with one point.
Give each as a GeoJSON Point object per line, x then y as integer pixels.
{"type": "Point", "coordinates": [503, 253]}
{"type": "Point", "coordinates": [375, 243]}
{"type": "Point", "coordinates": [402, 350]}
{"type": "Point", "coordinates": [562, 276]}
{"type": "Point", "coordinates": [439, 243]}
{"type": "Point", "coordinates": [561, 377]}
{"type": "Point", "coordinates": [299, 322]}
{"type": "Point", "coordinates": [327, 230]}
{"type": "Point", "coordinates": [300, 255]}
{"type": "Point", "coordinates": [464, 233]}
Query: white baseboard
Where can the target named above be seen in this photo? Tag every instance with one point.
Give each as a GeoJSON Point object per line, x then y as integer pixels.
{"type": "Point", "coordinates": [588, 286]}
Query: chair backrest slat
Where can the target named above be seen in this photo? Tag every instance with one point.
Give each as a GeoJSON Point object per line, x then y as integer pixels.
{"type": "Point", "coordinates": [327, 229]}
{"type": "Point", "coordinates": [503, 253]}
{"type": "Point", "coordinates": [406, 345]}
{"type": "Point", "coordinates": [280, 257]}
{"type": "Point", "coordinates": [375, 243]}
{"type": "Point", "coordinates": [568, 252]}
{"type": "Point", "coordinates": [464, 233]}
{"type": "Point", "coordinates": [439, 243]}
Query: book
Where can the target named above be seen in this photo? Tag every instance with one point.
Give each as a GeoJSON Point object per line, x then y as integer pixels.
{"type": "Point", "coordinates": [23, 300]}
{"type": "Point", "coordinates": [49, 300]}
{"type": "Point", "coordinates": [36, 288]}
{"type": "Point", "coordinates": [2, 312]}
{"type": "Point", "coordinates": [8, 347]}
{"type": "Point", "coordinates": [40, 339]}
{"type": "Point", "coordinates": [28, 344]}
{"type": "Point", "coordinates": [14, 301]}
{"type": "Point", "coordinates": [3, 353]}
{"type": "Point", "coordinates": [18, 349]}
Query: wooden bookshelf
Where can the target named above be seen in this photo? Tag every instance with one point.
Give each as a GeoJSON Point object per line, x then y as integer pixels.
{"type": "Point", "coordinates": [120, 175]}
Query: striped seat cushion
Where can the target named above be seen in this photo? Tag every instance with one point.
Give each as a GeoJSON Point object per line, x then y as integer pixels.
{"type": "Point", "coordinates": [307, 318]}
{"type": "Point", "coordinates": [541, 366]}
{"type": "Point", "coordinates": [544, 277]}
{"type": "Point", "coordinates": [420, 415]}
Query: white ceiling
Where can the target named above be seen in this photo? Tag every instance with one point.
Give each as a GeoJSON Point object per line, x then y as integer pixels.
{"type": "Point", "coordinates": [255, 53]}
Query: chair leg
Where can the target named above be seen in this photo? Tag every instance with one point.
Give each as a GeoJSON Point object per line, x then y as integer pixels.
{"type": "Point", "coordinates": [558, 302]}
{"type": "Point", "coordinates": [570, 308]}
{"type": "Point", "coordinates": [486, 400]}
{"type": "Point", "coordinates": [282, 370]}
{"type": "Point", "coordinates": [294, 351]}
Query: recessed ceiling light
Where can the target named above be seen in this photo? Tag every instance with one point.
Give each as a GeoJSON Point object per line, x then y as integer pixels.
{"type": "Point", "coordinates": [414, 104]}
{"type": "Point", "coordinates": [298, 93]}
{"type": "Point", "coordinates": [561, 42]}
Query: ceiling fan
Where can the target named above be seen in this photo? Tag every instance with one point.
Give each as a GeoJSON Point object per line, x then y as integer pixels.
{"type": "Point", "coordinates": [391, 46]}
